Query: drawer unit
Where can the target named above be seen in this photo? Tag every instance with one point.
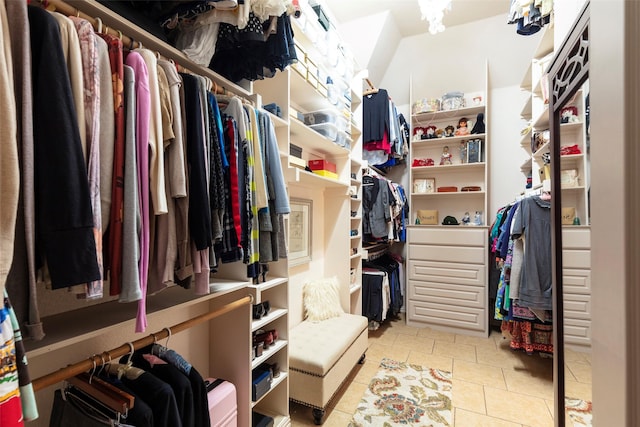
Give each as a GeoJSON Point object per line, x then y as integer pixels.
{"type": "Point", "coordinates": [461, 236]}
{"type": "Point", "coordinates": [447, 294]}
{"type": "Point", "coordinates": [446, 272]}
{"type": "Point", "coordinates": [577, 306]}
{"type": "Point", "coordinates": [450, 316]}
{"type": "Point", "coordinates": [461, 254]}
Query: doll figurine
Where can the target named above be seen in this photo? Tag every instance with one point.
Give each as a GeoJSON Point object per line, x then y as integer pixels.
{"type": "Point", "coordinates": [463, 152]}
{"type": "Point", "coordinates": [466, 219]}
{"type": "Point", "coordinates": [445, 159]}
{"type": "Point", "coordinates": [449, 131]}
{"type": "Point", "coordinates": [462, 127]}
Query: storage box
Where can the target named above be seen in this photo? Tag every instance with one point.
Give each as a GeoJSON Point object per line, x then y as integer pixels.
{"type": "Point", "coordinates": [568, 215]}
{"type": "Point", "coordinates": [316, 165]}
{"type": "Point", "coordinates": [427, 217]}
{"type": "Point", "coordinates": [326, 115]}
{"type": "Point", "coordinates": [223, 406]}
{"type": "Point", "coordinates": [569, 178]}
{"type": "Point", "coordinates": [328, 130]}
{"type": "Point", "coordinates": [326, 174]}
{"type": "Point", "coordinates": [342, 139]}
{"type": "Point", "coordinates": [297, 162]}
{"type": "Point", "coordinates": [260, 383]}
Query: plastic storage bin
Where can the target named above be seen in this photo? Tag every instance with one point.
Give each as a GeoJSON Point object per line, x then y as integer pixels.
{"type": "Point", "coordinates": [342, 139]}
{"type": "Point", "coordinates": [328, 130]}
{"type": "Point", "coordinates": [321, 116]}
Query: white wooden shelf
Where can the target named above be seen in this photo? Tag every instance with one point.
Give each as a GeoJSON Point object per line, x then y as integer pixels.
{"type": "Point", "coordinates": [268, 352]}
{"type": "Point", "coordinates": [455, 168]}
{"type": "Point", "coordinates": [274, 383]}
{"type": "Point", "coordinates": [417, 143]}
{"type": "Point", "coordinates": [274, 314]}
{"type": "Point", "coordinates": [424, 118]}
{"type": "Point", "coordinates": [313, 142]}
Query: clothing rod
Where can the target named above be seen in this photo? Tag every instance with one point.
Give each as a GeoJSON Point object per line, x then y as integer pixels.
{"type": "Point", "coordinates": [99, 359]}
{"type": "Point", "coordinates": [134, 36]}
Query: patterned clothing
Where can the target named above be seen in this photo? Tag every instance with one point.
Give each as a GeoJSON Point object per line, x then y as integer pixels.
{"type": "Point", "coordinates": [91, 79]}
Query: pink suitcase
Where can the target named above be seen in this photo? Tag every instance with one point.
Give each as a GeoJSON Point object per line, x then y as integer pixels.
{"type": "Point", "coordinates": [223, 406]}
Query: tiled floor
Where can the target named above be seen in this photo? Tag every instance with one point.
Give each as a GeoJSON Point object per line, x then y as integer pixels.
{"type": "Point", "coordinates": [493, 386]}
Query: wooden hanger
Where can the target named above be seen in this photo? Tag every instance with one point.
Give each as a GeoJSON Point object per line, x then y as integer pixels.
{"type": "Point", "coordinates": [372, 89]}
{"type": "Point", "coordinates": [107, 394]}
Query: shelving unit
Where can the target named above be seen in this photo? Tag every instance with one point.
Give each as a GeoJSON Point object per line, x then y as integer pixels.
{"type": "Point", "coordinates": [447, 265]}
{"type": "Point", "coordinates": [576, 238]}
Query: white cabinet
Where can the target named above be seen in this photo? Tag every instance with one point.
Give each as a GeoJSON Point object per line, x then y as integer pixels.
{"type": "Point", "coordinates": [576, 260]}
{"type": "Point", "coordinates": [447, 264]}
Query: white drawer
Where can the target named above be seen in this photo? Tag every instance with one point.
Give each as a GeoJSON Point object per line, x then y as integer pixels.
{"type": "Point", "coordinates": [447, 315]}
{"type": "Point", "coordinates": [576, 281]}
{"type": "Point", "coordinates": [457, 236]}
{"type": "Point", "coordinates": [576, 238]}
{"type": "Point", "coordinates": [447, 253]}
{"type": "Point", "coordinates": [577, 307]}
{"type": "Point", "coordinates": [447, 272]}
{"type": "Point", "coordinates": [576, 258]}
{"type": "Point", "coordinates": [577, 332]}
{"type": "Point", "coordinates": [447, 293]}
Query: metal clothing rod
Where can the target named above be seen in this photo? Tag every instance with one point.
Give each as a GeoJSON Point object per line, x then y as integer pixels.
{"type": "Point", "coordinates": [98, 360]}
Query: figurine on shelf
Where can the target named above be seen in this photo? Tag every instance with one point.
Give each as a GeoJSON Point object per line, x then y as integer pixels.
{"type": "Point", "coordinates": [449, 131]}
{"type": "Point", "coordinates": [479, 126]}
{"type": "Point", "coordinates": [462, 127]}
{"type": "Point", "coordinates": [466, 219]}
{"type": "Point", "coordinates": [445, 159]}
{"type": "Point", "coordinates": [477, 220]}
{"type": "Point", "coordinates": [463, 152]}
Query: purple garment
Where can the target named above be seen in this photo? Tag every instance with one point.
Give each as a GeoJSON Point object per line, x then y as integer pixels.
{"type": "Point", "coordinates": [143, 107]}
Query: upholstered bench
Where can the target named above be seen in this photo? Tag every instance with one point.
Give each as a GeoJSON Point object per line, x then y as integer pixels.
{"type": "Point", "coordinates": [321, 356]}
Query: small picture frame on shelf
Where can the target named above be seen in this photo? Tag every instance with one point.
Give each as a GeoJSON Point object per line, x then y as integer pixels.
{"type": "Point", "coordinates": [424, 185]}
{"type": "Point", "coordinates": [474, 151]}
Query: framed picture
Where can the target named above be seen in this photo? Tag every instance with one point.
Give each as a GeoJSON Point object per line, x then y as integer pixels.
{"type": "Point", "coordinates": [300, 231]}
{"type": "Point", "coordinates": [430, 185]}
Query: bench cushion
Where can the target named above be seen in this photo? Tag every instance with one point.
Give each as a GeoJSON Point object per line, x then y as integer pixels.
{"type": "Point", "coordinates": [315, 347]}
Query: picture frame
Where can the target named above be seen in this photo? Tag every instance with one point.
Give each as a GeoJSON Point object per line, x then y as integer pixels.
{"type": "Point", "coordinates": [299, 235]}
{"type": "Point", "coordinates": [430, 185]}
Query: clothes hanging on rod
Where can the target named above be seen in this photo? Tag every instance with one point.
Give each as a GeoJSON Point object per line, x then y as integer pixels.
{"type": "Point", "coordinates": [384, 209]}
{"type": "Point", "coordinates": [382, 293]}
{"type": "Point", "coordinates": [521, 244]}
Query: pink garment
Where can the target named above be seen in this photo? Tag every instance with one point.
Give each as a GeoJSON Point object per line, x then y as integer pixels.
{"type": "Point", "coordinates": [143, 106]}
{"type": "Point", "coordinates": [91, 79]}
{"type": "Point", "coordinates": [201, 270]}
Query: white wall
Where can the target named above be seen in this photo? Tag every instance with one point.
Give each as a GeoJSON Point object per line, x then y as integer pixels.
{"type": "Point", "coordinates": [455, 58]}
{"type": "Point", "coordinates": [505, 153]}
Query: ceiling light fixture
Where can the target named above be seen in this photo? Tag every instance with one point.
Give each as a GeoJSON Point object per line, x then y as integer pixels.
{"type": "Point", "coordinates": [433, 12]}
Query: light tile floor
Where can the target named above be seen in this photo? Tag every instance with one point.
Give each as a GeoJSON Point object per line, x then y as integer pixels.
{"type": "Point", "coordinates": [493, 386]}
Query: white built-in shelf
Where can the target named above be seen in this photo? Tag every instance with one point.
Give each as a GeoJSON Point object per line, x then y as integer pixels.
{"type": "Point", "coordinates": [305, 95]}
{"type": "Point", "coordinates": [525, 141]}
{"type": "Point", "coordinates": [444, 141]}
{"type": "Point", "coordinates": [354, 256]}
{"type": "Point", "coordinates": [541, 122]}
{"type": "Point", "coordinates": [356, 218]}
{"type": "Point", "coordinates": [355, 237]}
{"type": "Point", "coordinates": [545, 46]}
{"type": "Point", "coordinates": [274, 383]}
{"type": "Point", "coordinates": [310, 179]}
{"type": "Point", "coordinates": [356, 162]}
{"type": "Point", "coordinates": [354, 288]}
{"type": "Point", "coordinates": [455, 168]}
{"type": "Point", "coordinates": [421, 119]}
{"type": "Point", "coordinates": [65, 329]}
{"type": "Point", "coordinates": [278, 122]}
{"type": "Point", "coordinates": [525, 85]}
{"type": "Point", "coordinates": [268, 352]}
{"type": "Point", "coordinates": [449, 194]}
{"type": "Point", "coordinates": [526, 167]}
{"type": "Point", "coordinates": [571, 127]}
{"type": "Point", "coordinates": [313, 142]}
{"type": "Point", "coordinates": [544, 148]}
{"type": "Point", "coordinates": [268, 284]}
{"type": "Point", "coordinates": [526, 109]}
{"type": "Point", "coordinates": [355, 182]}
{"type": "Point", "coordinates": [274, 313]}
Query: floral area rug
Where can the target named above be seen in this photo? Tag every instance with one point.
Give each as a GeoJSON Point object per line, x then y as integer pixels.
{"type": "Point", "coordinates": [405, 394]}
{"type": "Point", "coordinates": [579, 412]}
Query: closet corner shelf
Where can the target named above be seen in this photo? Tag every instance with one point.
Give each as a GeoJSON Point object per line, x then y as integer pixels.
{"type": "Point", "coordinates": [355, 256]}
{"type": "Point", "coordinates": [356, 218]}
{"type": "Point", "coordinates": [65, 329]}
{"type": "Point", "coordinates": [312, 142]}
{"type": "Point", "coordinates": [268, 284]}
{"type": "Point", "coordinates": [542, 120]}
{"type": "Point", "coordinates": [526, 167]}
{"type": "Point", "coordinates": [305, 95]}
{"type": "Point", "coordinates": [355, 288]}
{"type": "Point", "coordinates": [355, 182]}
{"type": "Point", "coordinates": [267, 353]}
{"type": "Point", "coordinates": [274, 313]}
{"type": "Point", "coordinates": [544, 148]}
{"type": "Point", "coordinates": [274, 383]}
{"type": "Point", "coordinates": [571, 127]}
{"type": "Point", "coordinates": [309, 179]}
{"type": "Point", "coordinates": [278, 122]}
{"type": "Point", "coordinates": [450, 194]}
{"type": "Point", "coordinates": [356, 162]}
{"type": "Point", "coordinates": [445, 141]}
{"type": "Point", "coordinates": [526, 110]}
{"type": "Point", "coordinates": [455, 168]}
{"type": "Point", "coordinates": [438, 115]}
{"type": "Point", "coordinates": [525, 85]}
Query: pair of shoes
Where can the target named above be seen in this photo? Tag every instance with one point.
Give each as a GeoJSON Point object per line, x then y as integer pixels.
{"type": "Point", "coordinates": [261, 309]}
{"type": "Point", "coordinates": [265, 337]}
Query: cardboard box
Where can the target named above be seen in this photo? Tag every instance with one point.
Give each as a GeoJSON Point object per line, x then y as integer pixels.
{"type": "Point", "coordinates": [568, 215]}
{"type": "Point", "coordinates": [427, 217]}
{"type": "Point", "coordinates": [315, 165]}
